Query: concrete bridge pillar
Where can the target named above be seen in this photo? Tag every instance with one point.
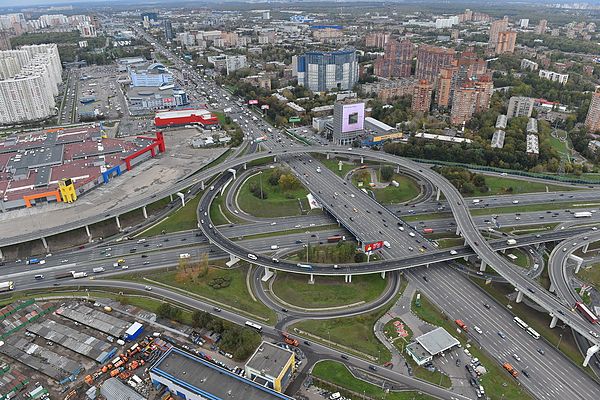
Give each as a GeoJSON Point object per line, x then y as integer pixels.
{"type": "Point", "coordinates": [362, 160]}
{"type": "Point", "coordinates": [503, 251]}
{"type": "Point", "coordinates": [145, 212]}
{"type": "Point", "coordinates": [585, 248]}
{"type": "Point", "coordinates": [312, 279]}
{"type": "Point", "coordinates": [274, 158]}
{"type": "Point", "coordinates": [171, 196]}
{"type": "Point", "coordinates": [118, 222]}
{"type": "Point", "coordinates": [201, 187]}
{"type": "Point", "coordinates": [519, 297]}
{"type": "Point", "coordinates": [348, 278]}
{"type": "Point", "coordinates": [457, 231]}
{"type": "Point", "coordinates": [328, 156]}
{"type": "Point", "coordinates": [437, 195]}
{"type": "Point", "coordinates": [245, 167]}
{"type": "Point", "coordinates": [44, 243]}
{"type": "Point", "coordinates": [590, 352]}
{"type": "Point", "coordinates": [552, 288]}
{"type": "Point", "coordinates": [578, 266]}
{"type": "Point", "coordinates": [382, 274]}
{"type": "Point", "coordinates": [89, 234]}
{"type": "Point", "coordinates": [397, 169]}
{"type": "Point", "coordinates": [182, 197]}
{"type": "Point", "coordinates": [483, 266]}
{"type": "Point", "coordinates": [1, 254]}
{"type": "Point", "coordinates": [554, 321]}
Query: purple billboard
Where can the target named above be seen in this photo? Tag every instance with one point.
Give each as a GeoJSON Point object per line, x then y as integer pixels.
{"type": "Point", "coordinates": [353, 117]}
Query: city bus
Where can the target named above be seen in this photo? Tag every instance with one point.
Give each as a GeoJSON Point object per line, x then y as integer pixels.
{"type": "Point", "coordinates": [305, 266]}
{"type": "Point", "coordinates": [520, 322]}
{"type": "Point", "coordinates": [533, 333]}
{"type": "Point", "coordinates": [586, 312]}
{"type": "Point", "coordinates": [252, 325]}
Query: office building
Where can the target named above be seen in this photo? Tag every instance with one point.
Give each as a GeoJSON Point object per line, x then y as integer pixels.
{"type": "Point", "coordinates": [430, 59]}
{"type": "Point", "coordinates": [396, 61]}
{"type": "Point", "coordinates": [472, 97]}
{"type": "Point", "coordinates": [540, 29]}
{"type": "Point", "coordinates": [554, 76]}
{"type": "Point", "coordinates": [323, 71]}
{"type": "Point", "coordinates": [519, 106]}
{"type": "Point", "coordinates": [524, 23]}
{"type": "Point", "coordinates": [528, 64]}
{"type": "Point", "coordinates": [168, 30]}
{"type": "Point", "coordinates": [271, 366]}
{"type": "Point", "coordinates": [506, 42]}
{"type": "Point", "coordinates": [194, 378]}
{"type": "Point", "coordinates": [496, 27]}
{"type": "Point", "coordinates": [378, 39]}
{"type": "Point", "coordinates": [348, 121]}
{"type": "Point", "coordinates": [592, 121]}
{"type": "Point", "coordinates": [29, 81]}
{"type": "Point", "coordinates": [421, 100]}
{"type": "Point", "coordinates": [152, 75]}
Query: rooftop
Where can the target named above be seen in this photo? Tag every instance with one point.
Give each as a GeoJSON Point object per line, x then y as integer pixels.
{"type": "Point", "coordinates": [269, 358]}
{"type": "Point", "coordinates": [437, 341]}
{"type": "Point", "coordinates": [202, 377]}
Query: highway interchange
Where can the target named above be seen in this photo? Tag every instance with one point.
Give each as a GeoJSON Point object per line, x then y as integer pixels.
{"type": "Point", "coordinates": [555, 377]}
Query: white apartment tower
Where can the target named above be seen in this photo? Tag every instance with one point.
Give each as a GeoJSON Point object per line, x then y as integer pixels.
{"type": "Point", "coordinates": [29, 79]}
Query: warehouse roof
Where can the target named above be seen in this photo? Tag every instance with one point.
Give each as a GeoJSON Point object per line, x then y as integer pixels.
{"type": "Point", "coordinates": [437, 341]}
{"type": "Point", "coordinates": [270, 359]}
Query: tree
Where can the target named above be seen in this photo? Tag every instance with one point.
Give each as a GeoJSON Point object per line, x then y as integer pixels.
{"type": "Point", "coordinates": [387, 172]}
{"type": "Point", "coordinates": [288, 182]}
{"type": "Point", "coordinates": [201, 318]}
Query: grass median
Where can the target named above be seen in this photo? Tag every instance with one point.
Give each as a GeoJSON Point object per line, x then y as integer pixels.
{"type": "Point", "coordinates": [327, 291]}
{"type": "Point", "coordinates": [336, 374]}
{"type": "Point", "coordinates": [181, 220]}
{"type": "Point", "coordinates": [406, 190]}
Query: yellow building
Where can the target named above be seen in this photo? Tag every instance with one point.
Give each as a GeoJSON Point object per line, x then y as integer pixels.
{"type": "Point", "coordinates": [272, 366]}
{"type": "Point", "coordinates": [67, 190]}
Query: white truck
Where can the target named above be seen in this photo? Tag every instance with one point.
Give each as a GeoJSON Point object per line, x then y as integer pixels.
{"type": "Point", "coordinates": [511, 242]}
{"type": "Point", "coordinates": [395, 184]}
{"type": "Point", "coordinates": [184, 255]}
{"type": "Point", "coordinates": [582, 214]}
{"type": "Point", "coordinates": [77, 275]}
{"type": "Point", "coordinates": [97, 270]}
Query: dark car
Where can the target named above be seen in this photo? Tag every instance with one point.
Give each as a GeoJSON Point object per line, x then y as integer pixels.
{"type": "Point", "coordinates": [144, 255]}
{"type": "Point", "coordinates": [345, 357]}
{"type": "Point", "coordinates": [372, 368]}
{"type": "Point", "coordinates": [486, 305]}
{"type": "Point", "coordinates": [307, 343]}
{"type": "Point", "coordinates": [525, 372]}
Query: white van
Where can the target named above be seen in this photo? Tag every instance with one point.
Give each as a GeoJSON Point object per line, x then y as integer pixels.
{"type": "Point", "coordinates": [386, 244]}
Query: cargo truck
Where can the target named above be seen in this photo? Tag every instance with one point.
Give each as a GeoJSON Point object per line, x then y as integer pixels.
{"type": "Point", "coordinates": [461, 324]}
{"type": "Point", "coordinates": [63, 275]}
{"type": "Point", "coordinates": [77, 275]}
{"type": "Point", "coordinates": [6, 286]}
{"type": "Point", "coordinates": [428, 230]}
{"type": "Point", "coordinates": [289, 340]}
{"type": "Point", "coordinates": [335, 238]}
{"type": "Point", "coordinates": [97, 270]}
{"type": "Point", "coordinates": [582, 214]}
{"type": "Point", "coordinates": [510, 369]}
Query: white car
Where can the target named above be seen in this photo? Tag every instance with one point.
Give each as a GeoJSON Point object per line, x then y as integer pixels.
{"type": "Point", "coordinates": [516, 357]}
{"type": "Point", "coordinates": [453, 252]}
{"type": "Point", "coordinates": [478, 330]}
{"type": "Point", "coordinates": [515, 202]}
{"type": "Point", "coordinates": [594, 334]}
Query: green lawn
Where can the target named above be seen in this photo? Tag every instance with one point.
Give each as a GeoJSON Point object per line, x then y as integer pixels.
{"type": "Point", "coordinates": [408, 190]}
{"type": "Point", "coordinates": [503, 185]}
{"type": "Point", "coordinates": [337, 374]}
{"type": "Point", "coordinates": [333, 164]}
{"type": "Point", "coordinates": [450, 242]}
{"type": "Point", "coordinates": [559, 146]}
{"type": "Point", "coordinates": [277, 204]}
{"type": "Point", "coordinates": [591, 275]}
{"type": "Point", "coordinates": [182, 219]}
{"type": "Point", "coordinates": [527, 229]}
{"type": "Point", "coordinates": [497, 383]}
{"type": "Point", "coordinates": [537, 320]}
{"type": "Point", "coordinates": [327, 291]}
{"type": "Point", "coordinates": [220, 215]}
{"type": "Point", "coordinates": [522, 259]}
{"type": "Point", "coordinates": [291, 231]}
{"type": "Point", "coordinates": [235, 295]}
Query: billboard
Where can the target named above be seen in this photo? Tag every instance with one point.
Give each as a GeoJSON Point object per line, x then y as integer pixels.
{"type": "Point", "coordinates": [264, 107]}
{"type": "Point", "coordinates": [373, 246]}
{"type": "Point", "coordinates": [252, 102]}
{"type": "Point", "coordinates": [294, 119]}
{"type": "Point", "coordinates": [353, 117]}
{"type": "Point", "coordinates": [389, 136]}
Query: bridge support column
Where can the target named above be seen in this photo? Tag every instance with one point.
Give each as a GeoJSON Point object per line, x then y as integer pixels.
{"type": "Point", "coordinates": [171, 196]}
{"type": "Point", "coordinates": [554, 321]}
{"type": "Point", "coordinates": [483, 266]}
{"type": "Point", "coordinates": [578, 266]}
{"type": "Point", "coordinates": [437, 195]}
{"type": "Point", "coordinates": [328, 156]}
{"type": "Point", "coordinates": [274, 158]}
{"type": "Point", "coordinates": [1, 254]}
{"type": "Point", "coordinates": [503, 251]}
{"type": "Point", "coordinates": [118, 222]}
{"type": "Point", "coordinates": [267, 275]}
{"type": "Point", "coordinates": [89, 234]}
{"type": "Point", "coordinates": [145, 212]}
{"type": "Point", "coordinates": [245, 167]}
{"type": "Point", "coordinates": [382, 274]}
{"type": "Point", "coordinates": [44, 243]}
{"type": "Point", "coordinates": [362, 160]}
{"type": "Point", "coordinates": [519, 297]}
{"type": "Point", "coordinates": [552, 288]}
{"type": "Point", "coordinates": [182, 197]}
{"type": "Point", "coordinates": [457, 231]}
{"type": "Point", "coordinates": [397, 169]}
{"type": "Point", "coordinates": [201, 186]}
{"type": "Point", "coordinates": [590, 352]}
{"type": "Point", "coordinates": [348, 278]}
{"type": "Point", "coordinates": [312, 279]}
{"type": "Point", "coordinates": [585, 248]}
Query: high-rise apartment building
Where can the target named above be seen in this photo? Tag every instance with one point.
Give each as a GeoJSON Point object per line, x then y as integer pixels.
{"type": "Point", "coordinates": [540, 29]}
{"type": "Point", "coordinates": [472, 97]}
{"type": "Point", "coordinates": [396, 61]}
{"type": "Point", "coordinates": [421, 99]}
{"type": "Point", "coordinates": [321, 71]}
{"type": "Point", "coordinates": [430, 59]}
{"type": "Point", "coordinates": [519, 106]}
{"type": "Point", "coordinates": [592, 121]}
{"type": "Point", "coordinates": [29, 81]}
{"type": "Point", "coordinates": [496, 27]}
{"type": "Point", "coordinates": [466, 67]}
{"type": "Point", "coordinates": [377, 39]}
{"type": "Point", "coordinates": [506, 42]}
